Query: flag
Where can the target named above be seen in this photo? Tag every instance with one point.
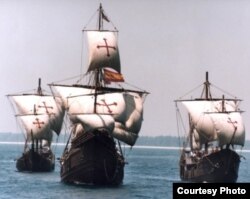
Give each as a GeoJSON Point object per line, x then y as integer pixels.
{"type": "Point", "coordinates": [110, 76]}
{"type": "Point", "coordinates": [105, 17]}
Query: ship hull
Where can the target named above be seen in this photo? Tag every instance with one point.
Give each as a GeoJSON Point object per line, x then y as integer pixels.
{"type": "Point", "coordinates": [93, 159]}
{"type": "Point", "coordinates": [220, 166]}
{"type": "Point", "coordinates": [32, 161]}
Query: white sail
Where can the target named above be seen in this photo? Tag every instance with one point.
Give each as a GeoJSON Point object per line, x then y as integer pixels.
{"type": "Point", "coordinates": [229, 128]}
{"type": "Point", "coordinates": [37, 126]}
{"type": "Point", "coordinates": [196, 107]}
{"type": "Point", "coordinates": [196, 142]}
{"type": "Point", "coordinates": [109, 103]}
{"type": "Point", "coordinates": [123, 134]}
{"type": "Point", "coordinates": [66, 92]}
{"type": "Point", "coordinates": [128, 130]}
{"type": "Point", "coordinates": [96, 121]}
{"type": "Point", "coordinates": [210, 119]}
{"type": "Point", "coordinates": [126, 108]}
{"type": "Point", "coordinates": [41, 104]}
{"type": "Point", "coordinates": [134, 112]}
{"type": "Point", "coordinates": [103, 50]}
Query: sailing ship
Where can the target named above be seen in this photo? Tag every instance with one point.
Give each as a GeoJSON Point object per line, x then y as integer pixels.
{"type": "Point", "coordinates": [216, 128]}
{"type": "Point", "coordinates": [102, 113]}
{"type": "Point", "coordinates": [40, 116]}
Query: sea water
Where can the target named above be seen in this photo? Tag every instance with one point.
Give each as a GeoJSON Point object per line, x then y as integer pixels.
{"type": "Point", "coordinates": [150, 173]}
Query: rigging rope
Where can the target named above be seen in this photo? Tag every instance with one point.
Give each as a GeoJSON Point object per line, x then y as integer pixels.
{"type": "Point", "coordinates": [224, 91]}
{"type": "Point", "coordinates": [91, 18]}
{"type": "Point", "coordinates": [133, 86]}
{"type": "Point", "coordinates": [190, 91]}
{"type": "Point", "coordinates": [211, 85]}
{"type": "Point", "coordinates": [179, 118]}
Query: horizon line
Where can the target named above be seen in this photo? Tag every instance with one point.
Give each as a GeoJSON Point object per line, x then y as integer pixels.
{"type": "Point", "coordinates": [126, 146]}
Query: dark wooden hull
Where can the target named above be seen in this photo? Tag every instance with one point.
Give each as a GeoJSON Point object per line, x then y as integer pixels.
{"type": "Point", "coordinates": [33, 161]}
{"type": "Point", "coordinates": [93, 159]}
{"type": "Point", "coordinates": [220, 166]}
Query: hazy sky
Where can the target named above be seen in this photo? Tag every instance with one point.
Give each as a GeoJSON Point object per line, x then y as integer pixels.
{"type": "Point", "coordinates": [166, 46]}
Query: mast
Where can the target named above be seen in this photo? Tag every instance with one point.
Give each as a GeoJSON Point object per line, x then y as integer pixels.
{"type": "Point", "coordinates": [207, 86]}
{"type": "Point", "coordinates": [39, 89]}
{"type": "Point", "coordinates": [98, 71]}
{"type": "Point", "coordinates": [223, 109]}
{"type": "Point", "coordinates": [207, 93]}
{"type": "Point", "coordinates": [100, 23]}
{"type": "Point", "coordinates": [190, 132]}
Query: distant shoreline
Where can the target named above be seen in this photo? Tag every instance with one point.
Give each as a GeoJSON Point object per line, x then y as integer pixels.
{"type": "Point", "coordinates": [126, 146]}
{"type": "Point", "coordinates": [154, 142]}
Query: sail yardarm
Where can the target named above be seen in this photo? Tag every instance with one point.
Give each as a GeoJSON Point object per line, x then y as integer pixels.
{"type": "Point", "coordinates": [103, 50]}
{"type": "Point", "coordinates": [205, 106]}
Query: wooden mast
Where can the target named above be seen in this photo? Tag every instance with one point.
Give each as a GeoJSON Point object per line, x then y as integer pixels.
{"type": "Point", "coordinates": [97, 73]}
{"type": "Point", "coordinates": [39, 89]}
{"type": "Point", "coordinates": [207, 95]}
{"type": "Point", "coordinates": [207, 84]}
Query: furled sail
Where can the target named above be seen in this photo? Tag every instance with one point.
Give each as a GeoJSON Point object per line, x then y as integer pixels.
{"type": "Point", "coordinates": [216, 120]}
{"type": "Point", "coordinates": [103, 50]}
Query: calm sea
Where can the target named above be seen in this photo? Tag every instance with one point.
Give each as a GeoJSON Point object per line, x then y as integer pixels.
{"type": "Point", "coordinates": [149, 173]}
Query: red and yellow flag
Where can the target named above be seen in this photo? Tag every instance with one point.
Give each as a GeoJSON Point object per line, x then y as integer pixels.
{"type": "Point", "coordinates": [110, 76]}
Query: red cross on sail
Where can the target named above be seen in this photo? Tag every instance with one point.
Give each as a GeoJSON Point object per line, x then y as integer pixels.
{"type": "Point", "coordinates": [106, 46]}
{"type": "Point", "coordinates": [38, 123]}
{"type": "Point", "coordinates": [103, 50]}
{"type": "Point", "coordinates": [107, 105]}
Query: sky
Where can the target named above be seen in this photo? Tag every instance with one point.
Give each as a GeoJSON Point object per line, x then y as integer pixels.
{"type": "Point", "coordinates": [166, 46]}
